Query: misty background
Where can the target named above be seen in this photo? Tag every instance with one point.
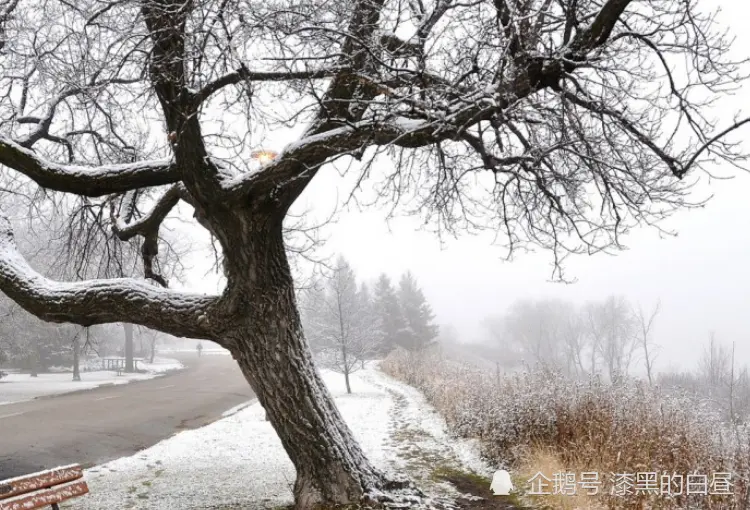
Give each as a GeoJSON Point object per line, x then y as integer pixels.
{"type": "Point", "coordinates": [700, 274]}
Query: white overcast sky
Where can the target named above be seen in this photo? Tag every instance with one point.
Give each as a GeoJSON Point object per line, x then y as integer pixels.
{"type": "Point", "coordinates": [702, 276]}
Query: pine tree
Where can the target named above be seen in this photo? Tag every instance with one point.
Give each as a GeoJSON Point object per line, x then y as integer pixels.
{"type": "Point", "coordinates": [420, 330]}
{"type": "Point", "coordinates": [368, 318]}
{"type": "Point", "coordinates": [389, 322]}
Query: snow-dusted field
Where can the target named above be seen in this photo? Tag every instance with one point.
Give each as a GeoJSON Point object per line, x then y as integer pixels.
{"type": "Point", "coordinates": [238, 462]}
{"type": "Point", "coordinates": [20, 387]}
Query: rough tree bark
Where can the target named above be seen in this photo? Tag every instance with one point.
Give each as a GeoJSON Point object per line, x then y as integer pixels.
{"type": "Point", "coordinates": [270, 347]}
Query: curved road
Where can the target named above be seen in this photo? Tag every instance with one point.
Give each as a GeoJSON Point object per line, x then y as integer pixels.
{"type": "Point", "coordinates": [95, 426]}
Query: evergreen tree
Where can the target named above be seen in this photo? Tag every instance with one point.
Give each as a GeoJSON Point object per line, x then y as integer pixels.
{"type": "Point", "coordinates": [420, 331]}
{"type": "Point", "coordinates": [389, 323]}
{"type": "Point", "coordinates": [367, 310]}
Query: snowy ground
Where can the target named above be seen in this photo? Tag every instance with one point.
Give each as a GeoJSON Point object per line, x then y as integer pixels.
{"type": "Point", "coordinates": [238, 462]}
{"type": "Point", "coordinates": [190, 346]}
{"type": "Point", "coordinates": [19, 387]}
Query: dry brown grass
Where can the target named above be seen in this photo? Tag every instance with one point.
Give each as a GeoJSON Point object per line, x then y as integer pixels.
{"type": "Point", "coordinates": [540, 421]}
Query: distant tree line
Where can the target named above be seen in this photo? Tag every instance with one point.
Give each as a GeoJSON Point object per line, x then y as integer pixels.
{"type": "Point", "coordinates": [347, 321]}
{"type": "Point", "coordinates": [612, 339]}
{"type": "Point", "coordinates": [606, 337]}
{"type": "Point", "coordinates": [720, 378]}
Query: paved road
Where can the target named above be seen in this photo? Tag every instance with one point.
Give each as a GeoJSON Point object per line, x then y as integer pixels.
{"type": "Point", "coordinates": [99, 425]}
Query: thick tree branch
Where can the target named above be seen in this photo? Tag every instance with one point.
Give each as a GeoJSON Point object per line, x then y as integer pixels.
{"type": "Point", "coordinates": [148, 228]}
{"type": "Point", "coordinates": [101, 301]}
{"type": "Point", "coordinates": [601, 28]}
{"type": "Point", "coordinates": [429, 23]}
{"type": "Point", "coordinates": [152, 221]}
{"type": "Point", "coordinates": [90, 181]}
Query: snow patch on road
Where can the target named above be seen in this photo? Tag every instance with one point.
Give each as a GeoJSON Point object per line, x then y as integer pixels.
{"type": "Point", "coordinates": [239, 462]}
{"type": "Point", "coordinates": [20, 387]}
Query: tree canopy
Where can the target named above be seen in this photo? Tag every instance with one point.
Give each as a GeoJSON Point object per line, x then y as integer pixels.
{"type": "Point", "coordinates": [556, 123]}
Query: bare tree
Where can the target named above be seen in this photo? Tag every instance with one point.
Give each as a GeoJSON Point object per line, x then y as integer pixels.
{"type": "Point", "coordinates": [573, 334]}
{"type": "Point", "coordinates": [645, 338]}
{"type": "Point", "coordinates": [560, 124]}
{"type": "Point", "coordinates": [541, 331]}
{"type": "Point", "coordinates": [613, 333]}
{"type": "Point", "coordinates": [714, 365]}
{"type": "Point", "coordinates": [509, 355]}
{"type": "Point", "coordinates": [339, 321]}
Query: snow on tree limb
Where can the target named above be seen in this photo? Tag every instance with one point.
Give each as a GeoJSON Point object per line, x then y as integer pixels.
{"type": "Point", "coordinates": [148, 228]}
{"type": "Point", "coordinates": [243, 74]}
{"type": "Point", "coordinates": [100, 301]}
{"type": "Point", "coordinates": [91, 181]}
{"type": "Point", "coordinates": [151, 221]}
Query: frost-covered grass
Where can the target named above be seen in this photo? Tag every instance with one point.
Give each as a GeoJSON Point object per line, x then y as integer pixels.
{"type": "Point", "coordinates": [239, 462]}
{"type": "Point", "coordinates": [541, 421]}
{"type": "Point", "coordinates": [20, 387]}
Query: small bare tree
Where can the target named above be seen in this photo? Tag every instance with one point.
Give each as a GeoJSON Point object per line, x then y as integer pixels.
{"type": "Point", "coordinates": [645, 338]}
{"type": "Point", "coordinates": [614, 335]}
{"type": "Point", "coordinates": [573, 333]}
{"type": "Point", "coordinates": [340, 322]}
{"type": "Point", "coordinates": [715, 363]}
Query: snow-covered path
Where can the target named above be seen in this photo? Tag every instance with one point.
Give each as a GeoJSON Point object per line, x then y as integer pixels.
{"type": "Point", "coordinates": [238, 462]}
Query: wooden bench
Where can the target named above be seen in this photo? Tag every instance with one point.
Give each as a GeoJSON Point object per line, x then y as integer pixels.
{"type": "Point", "coordinates": [46, 488]}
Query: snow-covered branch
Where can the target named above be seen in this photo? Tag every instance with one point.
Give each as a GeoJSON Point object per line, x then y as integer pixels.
{"type": "Point", "coordinates": [151, 221]}
{"type": "Point", "coordinates": [91, 181]}
{"type": "Point", "coordinates": [601, 28]}
{"type": "Point", "coordinates": [100, 301]}
{"type": "Point", "coordinates": [148, 228]}
{"type": "Point", "coordinates": [243, 74]}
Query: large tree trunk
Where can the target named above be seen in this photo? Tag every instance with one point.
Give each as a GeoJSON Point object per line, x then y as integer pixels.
{"type": "Point", "coordinates": [274, 356]}
{"type": "Point", "coordinates": [128, 347]}
{"type": "Point", "coordinates": [331, 467]}
{"type": "Point", "coordinates": [346, 378]}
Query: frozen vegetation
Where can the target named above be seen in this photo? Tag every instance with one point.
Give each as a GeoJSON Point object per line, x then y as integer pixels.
{"type": "Point", "coordinates": [539, 421]}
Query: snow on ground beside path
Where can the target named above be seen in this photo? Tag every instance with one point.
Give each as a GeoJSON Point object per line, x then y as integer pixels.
{"type": "Point", "coordinates": [239, 462]}
{"type": "Point", "coordinates": [20, 387]}
{"type": "Point", "coordinates": [160, 365]}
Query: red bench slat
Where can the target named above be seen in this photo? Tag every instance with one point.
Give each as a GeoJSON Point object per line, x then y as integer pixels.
{"type": "Point", "coordinates": [35, 481]}
{"type": "Point", "coordinates": [46, 497]}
